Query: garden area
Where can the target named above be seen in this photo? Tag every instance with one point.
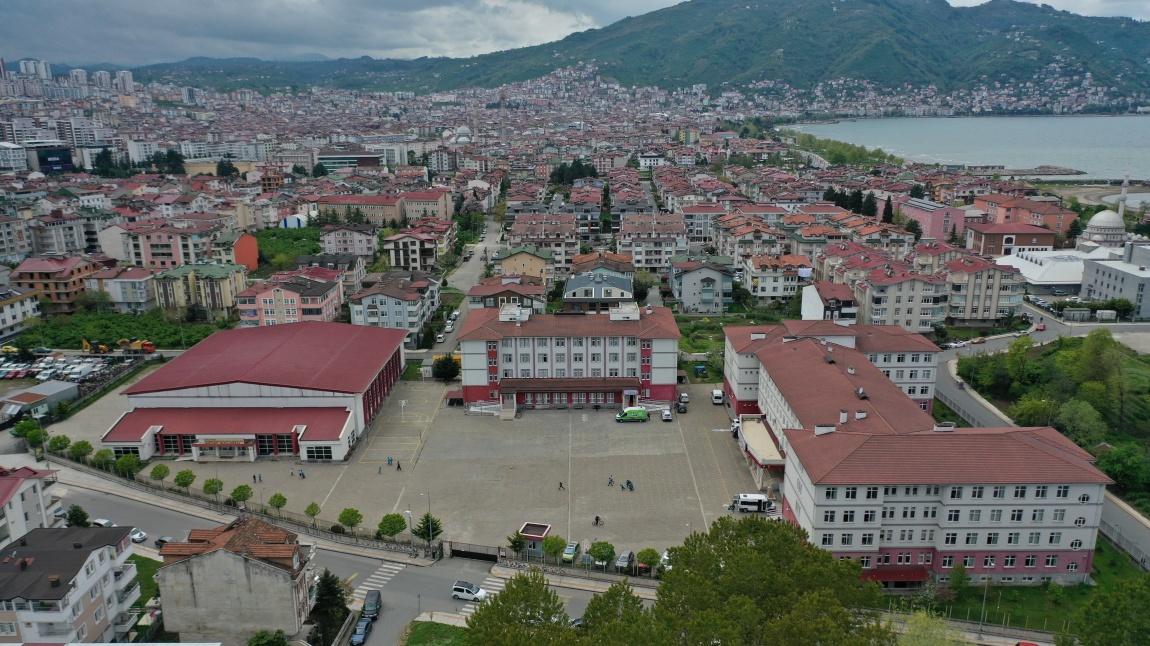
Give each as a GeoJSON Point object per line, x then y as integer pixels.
{"type": "Point", "coordinates": [1093, 389]}
{"type": "Point", "coordinates": [146, 577]}
{"type": "Point", "coordinates": [429, 633]}
{"type": "Point", "coordinates": [69, 330]}
{"type": "Point", "coordinates": [964, 333]}
{"type": "Point", "coordinates": [280, 247]}
{"type": "Point", "coordinates": [705, 333]}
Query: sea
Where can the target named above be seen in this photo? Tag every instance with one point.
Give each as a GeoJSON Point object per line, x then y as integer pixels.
{"type": "Point", "coordinates": [1104, 147]}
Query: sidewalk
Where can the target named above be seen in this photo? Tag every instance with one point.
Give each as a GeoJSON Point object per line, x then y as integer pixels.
{"type": "Point", "coordinates": [78, 479]}
{"type": "Point", "coordinates": [576, 583]}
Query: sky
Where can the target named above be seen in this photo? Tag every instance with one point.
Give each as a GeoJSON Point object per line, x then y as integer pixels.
{"type": "Point", "coordinates": [138, 32]}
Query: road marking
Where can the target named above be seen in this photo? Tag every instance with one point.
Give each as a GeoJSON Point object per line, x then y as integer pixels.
{"type": "Point", "coordinates": [396, 505]}
{"type": "Point", "coordinates": [334, 485]}
{"type": "Point", "coordinates": [570, 458]}
{"type": "Point", "coordinates": [493, 584]}
{"type": "Point", "coordinates": [377, 580]}
{"type": "Point", "coordinates": [694, 481]}
{"type": "Point", "coordinates": [351, 578]}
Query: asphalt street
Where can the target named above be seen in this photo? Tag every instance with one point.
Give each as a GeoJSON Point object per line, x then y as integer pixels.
{"type": "Point", "coordinates": [408, 592]}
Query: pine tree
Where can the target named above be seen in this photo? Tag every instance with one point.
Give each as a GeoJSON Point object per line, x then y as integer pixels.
{"type": "Point", "coordinates": [870, 205]}
{"type": "Point", "coordinates": [888, 212]}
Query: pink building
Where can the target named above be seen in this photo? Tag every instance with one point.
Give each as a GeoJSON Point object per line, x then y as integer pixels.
{"type": "Point", "coordinates": [161, 245]}
{"type": "Point", "coordinates": [290, 297]}
{"type": "Point", "coordinates": [937, 220]}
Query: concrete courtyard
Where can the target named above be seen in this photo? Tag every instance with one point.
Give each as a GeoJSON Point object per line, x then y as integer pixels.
{"type": "Point", "coordinates": [485, 477]}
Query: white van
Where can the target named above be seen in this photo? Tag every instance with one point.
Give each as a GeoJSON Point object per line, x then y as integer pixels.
{"type": "Point", "coordinates": [751, 502]}
{"type": "Point", "coordinates": [717, 397]}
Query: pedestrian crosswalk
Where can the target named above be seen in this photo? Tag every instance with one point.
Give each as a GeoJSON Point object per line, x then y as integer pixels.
{"type": "Point", "coordinates": [493, 585]}
{"type": "Point", "coordinates": [376, 581]}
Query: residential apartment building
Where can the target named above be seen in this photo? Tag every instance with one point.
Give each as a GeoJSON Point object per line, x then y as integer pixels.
{"type": "Point", "coordinates": [68, 585]}
{"type": "Point", "coordinates": [827, 301]}
{"type": "Point", "coordinates": [652, 240]}
{"type": "Point", "coordinates": [909, 498]}
{"type": "Point", "coordinates": [524, 261]}
{"type": "Point", "coordinates": [130, 290]}
{"type": "Point", "coordinates": [160, 245]}
{"type": "Point", "coordinates": [211, 288]}
{"type": "Point", "coordinates": [59, 280]}
{"type": "Point", "coordinates": [603, 261]}
{"type": "Point", "coordinates": [774, 277]}
{"type": "Point", "coordinates": [15, 241]}
{"type": "Point", "coordinates": [400, 299]}
{"type": "Point", "coordinates": [895, 296]}
{"type": "Point", "coordinates": [411, 251]}
{"type": "Point", "coordinates": [497, 291]}
{"type": "Point", "coordinates": [58, 234]}
{"type": "Point", "coordinates": [613, 359]}
{"type": "Point", "coordinates": [740, 238]}
{"type": "Point", "coordinates": [290, 299]}
{"type": "Point", "coordinates": [702, 287]}
{"type": "Point", "coordinates": [556, 233]}
{"type": "Point", "coordinates": [352, 268]}
{"type": "Point", "coordinates": [25, 504]}
{"type": "Point", "coordinates": [1006, 209]}
{"type": "Point", "coordinates": [982, 291]}
{"type": "Point", "coordinates": [938, 221]}
{"type": "Point", "coordinates": [700, 222]}
{"type": "Point", "coordinates": [596, 292]}
{"type": "Point", "coordinates": [17, 306]}
{"type": "Point", "coordinates": [357, 239]}
{"type": "Point", "coordinates": [236, 247]}
{"type": "Point", "coordinates": [229, 582]}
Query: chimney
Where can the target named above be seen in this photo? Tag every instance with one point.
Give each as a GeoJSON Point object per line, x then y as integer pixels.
{"type": "Point", "coordinates": [823, 429]}
{"type": "Point", "coordinates": [54, 580]}
{"type": "Point", "coordinates": [860, 393]}
{"type": "Point", "coordinates": [850, 370]}
{"type": "Point", "coordinates": [843, 416]}
{"type": "Point", "coordinates": [860, 414]}
{"type": "Point", "coordinates": [77, 546]}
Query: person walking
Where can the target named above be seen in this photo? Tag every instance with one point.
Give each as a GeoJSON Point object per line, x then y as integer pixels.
{"type": "Point", "coordinates": [253, 477]}
{"type": "Point", "coordinates": [560, 485]}
{"type": "Point", "coordinates": [380, 471]}
{"type": "Point", "coordinates": [398, 467]}
{"type": "Point", "coordinates": [292, 472]}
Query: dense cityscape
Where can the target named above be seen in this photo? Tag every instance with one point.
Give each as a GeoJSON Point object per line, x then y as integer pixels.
{"type": "Point", "coordinates": [563, 361]}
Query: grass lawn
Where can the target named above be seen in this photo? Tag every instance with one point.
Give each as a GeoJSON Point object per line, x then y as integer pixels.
{"type": "Point", "coordinates": [146, 575]}
{"type": "Point", "coordinates": [411, 370]}
{"type": "Point", "coordinates": [943, 413]}
{"type": "Point", "coordinates": [956, 333]}
{"type": "Point", "coordinates": [705, 333]}
{"type": "Point", "coordinates": [1042, 607]}
{"type": "Point", "coordinates": [427, 633]}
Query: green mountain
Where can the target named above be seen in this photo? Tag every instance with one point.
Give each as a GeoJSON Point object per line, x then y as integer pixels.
{"type": "Point", "coordinates": [715, 42]}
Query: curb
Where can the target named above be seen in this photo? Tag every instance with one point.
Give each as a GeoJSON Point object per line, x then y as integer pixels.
{"type": "Point", "coordinates": [587, 585]}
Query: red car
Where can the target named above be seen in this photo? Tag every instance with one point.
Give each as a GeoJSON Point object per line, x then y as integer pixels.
{"type": "Point", "coordinates": [1041, 327]}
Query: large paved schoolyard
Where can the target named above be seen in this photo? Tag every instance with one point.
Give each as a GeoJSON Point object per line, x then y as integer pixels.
{"type": "Point", "coordinates": [485, 477]}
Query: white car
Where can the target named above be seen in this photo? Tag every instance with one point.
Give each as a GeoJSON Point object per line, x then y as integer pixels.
{"type": "Point", "coordinates": [468, 591]}
{"type": "Point", "coordinates": [102, 522]}
{"type": "Point", "coordinates": [666, 415]}
{"type": "Point", "coordinates": [138, 535]}
{"type": "Point", "coordinates": [440, 337]}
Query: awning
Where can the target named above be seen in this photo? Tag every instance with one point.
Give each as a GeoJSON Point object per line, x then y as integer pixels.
{"type": "Point", "coordinates": [897, 573]}
{"type": "Point", "coordinates": [631, 391]}
{"type": "Point", "coordinates": [577, 384]}
{"type": "Point", "coordinates": [211, 444]}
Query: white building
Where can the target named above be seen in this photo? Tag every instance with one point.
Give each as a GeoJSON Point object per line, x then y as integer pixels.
{"type": "Point", "coordinates": [13, 157]}
{"type": "Point", "coordinates": [652, 240]}
{"type": "Point", "coordinates": [405, 300]}
{"type": "Point", "coordinates": [24, 502]}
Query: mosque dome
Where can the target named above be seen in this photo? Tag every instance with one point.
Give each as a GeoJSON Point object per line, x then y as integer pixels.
{"type": "Point", "coordinates": [1106, 219]}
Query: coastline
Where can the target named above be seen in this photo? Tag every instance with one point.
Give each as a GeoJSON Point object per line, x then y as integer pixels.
{"type": "Point", "coordinates": [1012, 115]}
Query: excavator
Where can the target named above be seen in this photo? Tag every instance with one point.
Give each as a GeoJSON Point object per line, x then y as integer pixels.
{"type": "Point", "coordinates": [94, 348]}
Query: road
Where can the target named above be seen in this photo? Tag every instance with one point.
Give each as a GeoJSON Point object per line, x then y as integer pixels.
{"type": "Point", "coordinates": [406, 592]}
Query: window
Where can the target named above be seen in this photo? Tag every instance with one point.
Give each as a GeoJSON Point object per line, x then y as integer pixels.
{"type": "Point", "coordinates": [828, 540]}
{"type": "Point", "coordinates": [955, 493]}
{"type": "Point", "coordinates": [872, 493]}
{"type": "Point", "coordinates": [975, 515]}
{"type": "Point", "coordinates": [1079, 522]}
{"type": "Point", "coordinates": [976, 492]}
{"type": "Point", "coordinates": [890, 491]}
{"type": "Point", "coordinates": [926, 535]}
{"type": "Point", "coordinates": [1008, 561]}
{"type": "Point", "coordinates": [1040, 491]}
{"type": "Point", "coordinates": [1063, 491]}
{"type": "Point", "coordinates": [972, 538]}
{"type": "Point", "coordinates": [868, 516]}
{"type": "Point", "coordinates": [1073, 567]}
{"type": "Point", "coordinates": [996, 515]}
{"type": "Point", "coordinates": [950, 538]}
{"type": "Point", "coordinates": [828, 516]}
{"type": "Point", "coordinates": [968, 561]}
{"type": "Point", "coordinates": [905, 535]}
{"type": "Point", "coordinates": [864, 562]}
{"type": "Point", "coordinates": [887, 535]}
{"type": "Point", "coordinates": [1076, 544]}
{"type": "Point", "coordinates": [1012, 538]}
{"type": "Point", "coordinates": [992, 538]}
{"type": "Point", "coordinates": [952, 515]}
{"type": "Point", "coordinates": [933, 489]}
{"type": "Point", "coordinates": [851, 493]}
{"type": "Point", "coordinates": [908, 512]}
{"type": "Point", "coordinates": [1055, 538]}
{"type": "Point", "coordinates": [887, 513]}
{"type": "Point", "coordinates": [1051, 560]}
{"type": "Point", "coordinates": [1030, 560]}
{"type": "Point", "coordinates": [1037, 515]}
{"type": "Point", "coordinates": [910, 491]}
{"type": "Point", "coordinates": [930, 512]}
{"type": "Point", "coordinates": [988, 561]}
{"type": "Point", "coordinates": [1020, 492]}
{"type": "Point", "coordinates": [1016, 515]}
{"type": "Point", "coordinates": [319, 453]}
{"type": "Point", "coordinates": [999, 491]}
{"type": "Point", "coordinates": [831, 493]}
{"type": "Point", "coordinates": [948, 562]}
{"type": "Point", "coordinates": [1059, 515]}
{"type": "Point", "coordinates": [848, 517]}
{"type": "Point", "coordinates": [867, 539]}
{"type": "Point", "coordinates": [1084, 498]}
{"type": "Point", "coordinates": [1033, 538]}
{"type": "Point", "coordinates": [903, 558]}
{"type": "Point", "coordinates": [847, 539]}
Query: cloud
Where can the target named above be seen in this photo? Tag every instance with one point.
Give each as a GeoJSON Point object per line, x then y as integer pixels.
{"type": "Point", "coordinates": [134, 32]}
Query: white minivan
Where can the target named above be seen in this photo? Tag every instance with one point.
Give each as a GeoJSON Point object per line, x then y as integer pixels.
{"type": "Point", "coordinates": [717, 397]}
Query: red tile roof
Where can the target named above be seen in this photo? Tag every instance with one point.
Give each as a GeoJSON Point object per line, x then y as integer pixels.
{"type": "Point", "coordinates": [323, 424]}
{"type": "Point", "coordinates": [485, 325]}
{"type": "Point", "coordinates": [311, 355]}
{"type": "Point", "coordinates": [12, 479]}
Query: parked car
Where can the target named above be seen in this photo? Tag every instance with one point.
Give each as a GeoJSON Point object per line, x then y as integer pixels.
{"type": "Point", "coordinates": [138, 535]}
{"type": "Point", "coordinates": [372, 605]}
{"type": "Point", "coordinates": [978, 340]}
{"type": "Point", "coordinates": [362, 630]}
{"type": "Point", "coordinates": [681, 407]}
{"type": "Point", "coordinates": [625, 561]}
{"type": "Point", "coordinates": [102, 522]}
{"type": "Point", "coordinates": [1041, 327]}
{"type": "Point", "coordinates": [467, 591]}
{"type": "Point", "coordinates": [684, 398]}
{"type": "Point", "coordinates": [162, 541]}
{"type": "Point", "coordinates": [633, 414]}
{"type": "Point", "coordinates": [717, 397]}
{"type": "Point", "coordinates": [440, 337]}
{"type": "Point", "coordinates": [570, 552]}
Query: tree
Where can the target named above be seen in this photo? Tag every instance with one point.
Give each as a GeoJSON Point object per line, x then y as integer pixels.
{"type": "Point", "coordinates": [391, 525]}
{"type": "Point", "coordinates": [602, 551]}
{"type": "Point", "coordinates": [58, 443]}
{"type": "Point", "coordinates": [1034, 409]}
{"type": "Point", "coordinates": [319, 170]}
{"type": "Point", "coordinates": [445, 368]}
{"type": "Point", "coordinates": [888, 212]}
{"type": "Point", "coordinates": [80, 450]}
{"type": "Point", "coordinates": [77, 517]}
{"type": "Point", "coordinates": [268, 638]}
{"type": "Point", "coordinates": [350, 518]}
{"type": "Point", "coordinates": [428, 528]}
{"type": "Point", "coordinates": [299, 170]}
{"type": "Point", "coordinates": [856, 200]}
{"type": "Point", "coordinates": [1128, 465]}
{"type": "Point", "coordinates": [277, 502]}
{"type": "Point", "coordinates": [128, 465]}
{"type": "Point", "coordinates": [103, 458]}
{"type": "Point", "coordinates": [184, 479]}
{"type": "Point", "coordinates": [648, 556]}
{"type": "Point", "coordinates": [1018, 363]}
{"type": "Point", "coordinates": [174, 162]}
{"type": "Point", "coordinates": [225, 168]}
{"type": "Point", "coordinates": [553, 546]}
{"type": "Point", "coordinates": [912, 226]}
{"type": "Point", "coordinates": [330, 609]}
{"type": "Point", "coordinates": [1075, 229]}
{"type": "Point", "coordinates": [870, 205]}
{"type": "Point", "coordinates": [213, 487]}
{"type": "Point", "coordinates": [312, 511]}
{"type": "Point", "coordinates": [525, 612]}
{"type": "Point", "coordinates": [35, 437]}
{"type": "Point", "coordinates": [516, 542]}
{"type": "Point", "coordinates": [1080, 422]}
{"type": "Point", "coordinates": [953, 239]}
{"type": "Point", "coordinates": [959, 580]}
{"type": "Point", "coordinates": [241, 494]}
{"type": "Point", "coordinates": [1115, 615]}
{"type": "Point", "coordinates": [159, 472]}
{"type": "Point", "coordinates": [642, 284]}
{"type": "Point", "coordinates": [715, 594]}
{"type": "Point", "coordinates": [617, 617]}
{"type": "Point", "coordinates": [917, 191]}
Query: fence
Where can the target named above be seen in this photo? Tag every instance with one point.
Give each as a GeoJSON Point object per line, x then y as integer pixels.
{"type": "Point", "coordinates": [524, 562]}
{"type": "Point", "coordinates": [295, 522]}
{"type": "Point", "coordinates": [999, 626]}
{"type": "Point", "coordinates": [345, 630]}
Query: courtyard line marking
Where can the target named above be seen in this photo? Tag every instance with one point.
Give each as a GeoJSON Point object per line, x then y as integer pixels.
{"type": "Point", "coordinates": [570, 485]}
{"type": "Point", "coordinates": [333, 486]}
{"type": "Point", "coordinates": [351, 578]}
{"type": "Point", "coordinates": [718, 467]}
{"type": "Point", "coordinates": [694, 481]}
{"type": "Point", "coordinates": [396, 505]}
{"type": "Point", "coordinates": [423, 431]}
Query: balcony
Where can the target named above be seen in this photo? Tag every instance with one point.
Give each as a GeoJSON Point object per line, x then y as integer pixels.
{"type": "Point", "coordinates": [55, 630]}
{"type": "Point", "coordinates": [128, 595]}
{"type": "Point", "coordinates": [125, 621]}
{"type": "Point", "coordinates": [124, 575]}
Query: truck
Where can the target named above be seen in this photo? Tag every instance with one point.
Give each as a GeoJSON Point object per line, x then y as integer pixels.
{"type": "Point", "coordinates": [94, 347]}
{"type": "Point", "coordinates": [137, 346]}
